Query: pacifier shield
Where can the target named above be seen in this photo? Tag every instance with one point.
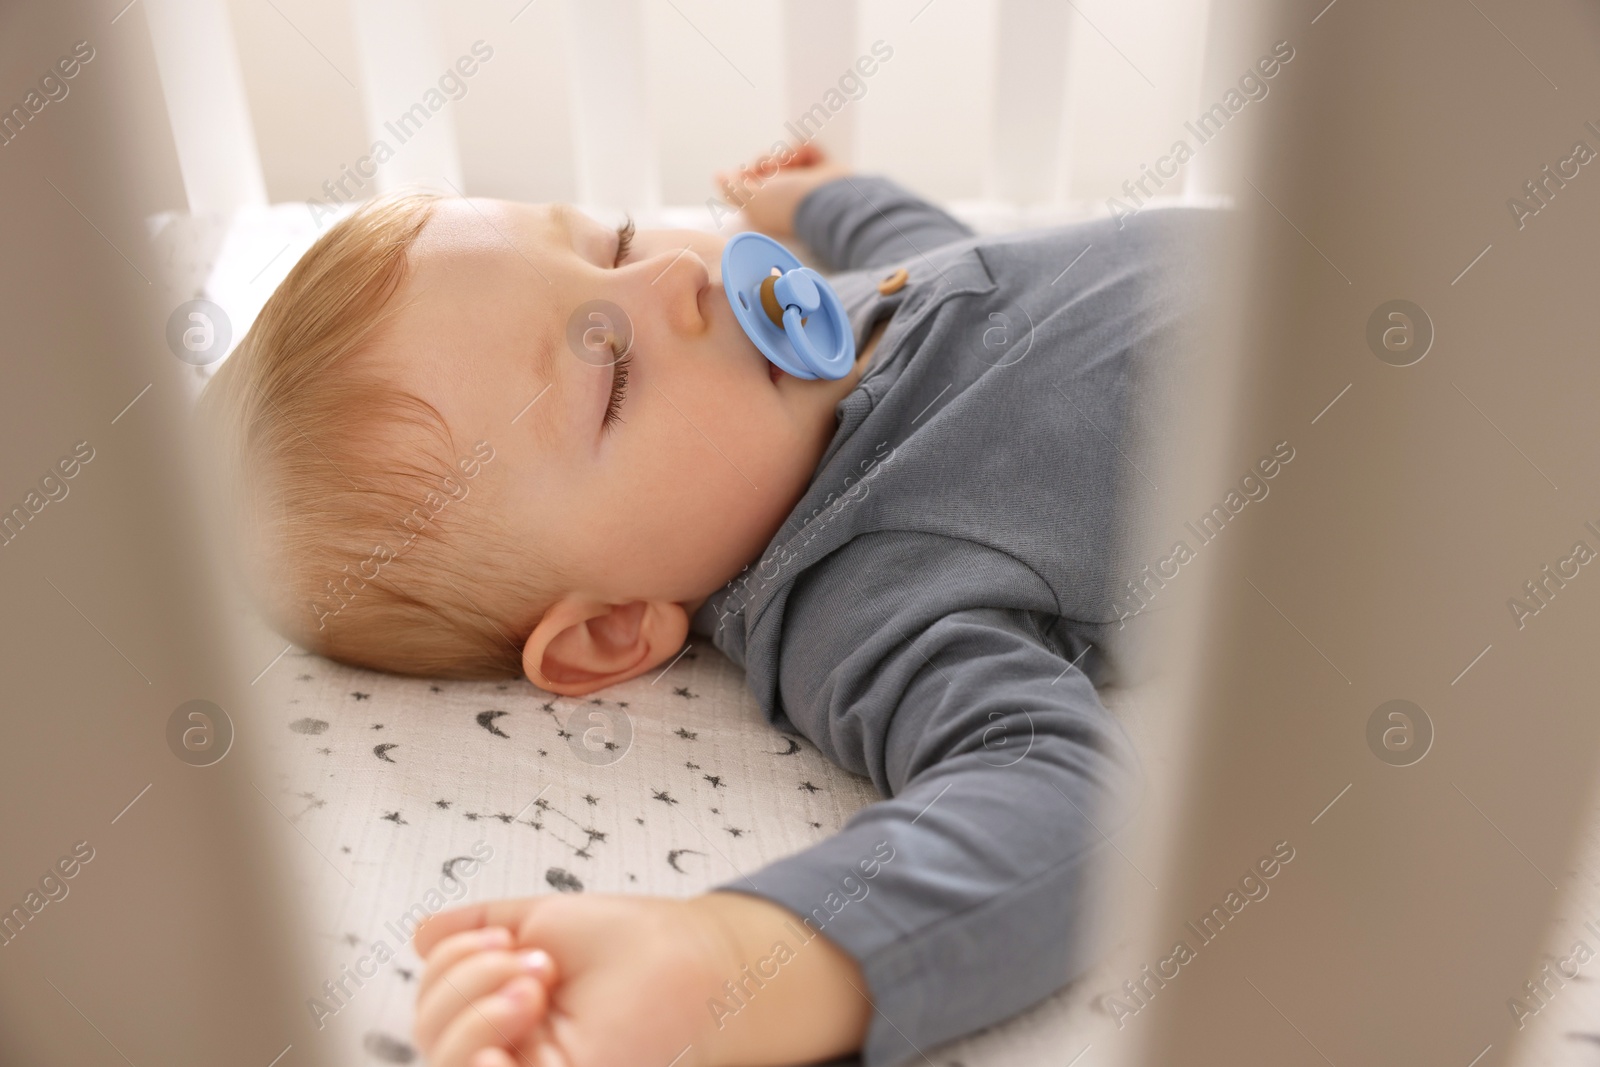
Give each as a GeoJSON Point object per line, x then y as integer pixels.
{"type": "Point", "coordinates": [794, 318]}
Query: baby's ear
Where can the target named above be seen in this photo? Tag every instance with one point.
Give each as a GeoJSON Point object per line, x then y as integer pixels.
{"type": "Point", "coordinates": [581, 644]}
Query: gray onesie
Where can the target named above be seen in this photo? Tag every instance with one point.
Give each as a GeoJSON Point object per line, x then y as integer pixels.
{"type": "Point", "coordinates": [935, 610]}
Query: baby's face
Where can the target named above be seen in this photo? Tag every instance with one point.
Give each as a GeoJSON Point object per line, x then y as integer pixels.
{"type": "Point", "coordinates": [706, 448]}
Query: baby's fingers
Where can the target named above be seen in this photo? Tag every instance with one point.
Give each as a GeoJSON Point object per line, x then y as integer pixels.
{"type": "Point", "coordinates": [725, 185]}
{"type": "Point", "coordinates": [436, 928]}
{"type": "Point", "coordinates": [476, 976]}
{"type": "Point", "coordinates": [802, 155]}
{"type": "Point", "coordinates": [545, 1056]}
{"type": "Point", "coordinates": [805, 154]}
{"type": "Point", "coordinates": [457, 947]}
{"type": "Point", "coordinates": [505, 1020]}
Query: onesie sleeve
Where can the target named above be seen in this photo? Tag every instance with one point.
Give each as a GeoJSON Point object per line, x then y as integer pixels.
{"type": "Point", "coordinates": [964, 897]}
{"type": "Point", "coordinates": [863, 221]}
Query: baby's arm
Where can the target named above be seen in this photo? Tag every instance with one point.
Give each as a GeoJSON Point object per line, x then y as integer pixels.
{"type": "Point", "coordinates": [1004, 772]}
{"type": "Point", "coordinates": [637, 980]}
{"type": "Point", "coordinates": [860, 221]}
{"type": "Point", "coordinates": [850, 221]}
{"type": "Point", "coordinates": [957, 902]}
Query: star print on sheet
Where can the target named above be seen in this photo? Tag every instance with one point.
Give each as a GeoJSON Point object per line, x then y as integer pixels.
{"type": "Point", "coordinates": [469, 762]}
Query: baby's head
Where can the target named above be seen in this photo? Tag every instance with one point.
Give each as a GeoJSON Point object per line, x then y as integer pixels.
{"type": "Point", "coordinates": [446, 466]}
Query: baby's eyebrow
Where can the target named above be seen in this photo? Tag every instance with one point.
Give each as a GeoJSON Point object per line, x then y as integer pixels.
{"type": "Point", "coordinates": [546, 359]}
{"type": "Point", "coordinates": [541, 409]}
{"type": "Point", "coordinates": [568, 216]}
{"type": "Point", "coordinates": [548, 349]}
{"type": "Point", "coordinates": [565, 214]}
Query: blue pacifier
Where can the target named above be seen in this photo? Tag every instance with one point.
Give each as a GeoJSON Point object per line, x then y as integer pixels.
{"type": "Point", "coordinates": [789, 311]}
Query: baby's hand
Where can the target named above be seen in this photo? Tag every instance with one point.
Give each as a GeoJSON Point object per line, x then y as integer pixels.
{"type": "Point", "coordinates": [635, 977]}
{"type": "Point", "coordinates": [479, 996]}
{"type": "Point", "coordinates": [770, 189]}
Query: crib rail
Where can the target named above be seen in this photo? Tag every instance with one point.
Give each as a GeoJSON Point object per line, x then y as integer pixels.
{"type": "Point", "coordinates": [632, 103]}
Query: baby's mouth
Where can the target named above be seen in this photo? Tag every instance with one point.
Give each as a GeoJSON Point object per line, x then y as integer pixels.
{"type": "Point", "coordinates": [774, 373]}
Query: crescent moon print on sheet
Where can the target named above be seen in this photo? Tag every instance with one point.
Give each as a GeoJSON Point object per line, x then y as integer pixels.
{"type": "Point", "coordinates": [794, 746]}
{"type": "Point", "coordinates": [486, 720]}
{"type": "Point", "coordinates": [672, 858]}
{"type": "Point", "coordinates": [449, 866]}
{"type": "Point", "coordinates": [382, 751]}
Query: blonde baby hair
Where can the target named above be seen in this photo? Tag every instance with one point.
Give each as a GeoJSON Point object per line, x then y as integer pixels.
{"type": "Point", "coordinates": [349, 499]}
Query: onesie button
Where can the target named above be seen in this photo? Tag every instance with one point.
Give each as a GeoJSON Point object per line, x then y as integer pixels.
{"type": "Point", "coordinates": [893, 283]}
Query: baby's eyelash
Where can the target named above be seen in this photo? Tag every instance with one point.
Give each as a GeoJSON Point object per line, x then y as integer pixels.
{"type": "Point", "coordinates": [624, 240]}
{"type": "Point", "coordinates": [619, 381]}
{"type": "Point", "coordinates": [619, 388]}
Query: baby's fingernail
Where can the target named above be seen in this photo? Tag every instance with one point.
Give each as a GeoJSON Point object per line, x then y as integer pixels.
{"type": "Point", "coordinates": [537, 962]}
{"type": "Point", "coordinates": [487, 1057]}
{"type": "Point", "coordinates": [519, 991]}
{"type": "Point", "coordinates": [495, 937]}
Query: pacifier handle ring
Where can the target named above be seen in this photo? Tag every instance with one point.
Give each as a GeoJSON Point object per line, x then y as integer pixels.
{"type": "Point", "coordinates": [792, 323]}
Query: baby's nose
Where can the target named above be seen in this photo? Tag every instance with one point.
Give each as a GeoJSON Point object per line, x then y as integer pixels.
{"type": "Point", "coordinates": [678, 287]}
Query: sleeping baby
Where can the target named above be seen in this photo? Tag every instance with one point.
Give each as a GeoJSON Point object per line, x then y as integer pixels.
{"type": "Point", "coordinates": [923, 566]}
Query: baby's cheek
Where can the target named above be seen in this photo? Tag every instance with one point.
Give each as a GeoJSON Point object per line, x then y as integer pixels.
{"type": "Point", "coordinates": [711, 529]}
{"type": "Point", "coordinates": [700, 493]}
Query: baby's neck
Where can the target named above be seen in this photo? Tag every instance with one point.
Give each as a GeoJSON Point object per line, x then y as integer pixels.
{"type": "Point", "coordinates": [847, 383]}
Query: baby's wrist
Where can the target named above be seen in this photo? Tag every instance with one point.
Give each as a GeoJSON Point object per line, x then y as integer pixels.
{"type": "Point", "coordinates": [780, 998]}
{"type": "Point", "coordinates": [725, 950]}
{"type": "Point", "coordinates": [823, 180]}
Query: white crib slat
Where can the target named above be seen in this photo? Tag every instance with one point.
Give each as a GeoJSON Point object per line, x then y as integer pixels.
{"type": "Point", "coordinates": [1231, 31]}
{"type": "Point", "coordinates": [206, 104]}
{"type": "Point", "coordinates": [820, 44]}
{"type": "Point", "coordinates": [401, 64]}
{"type": "Point", "coordinates": [615, 144]}
{"type": "Point", "coordinates": [1026, 124]}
